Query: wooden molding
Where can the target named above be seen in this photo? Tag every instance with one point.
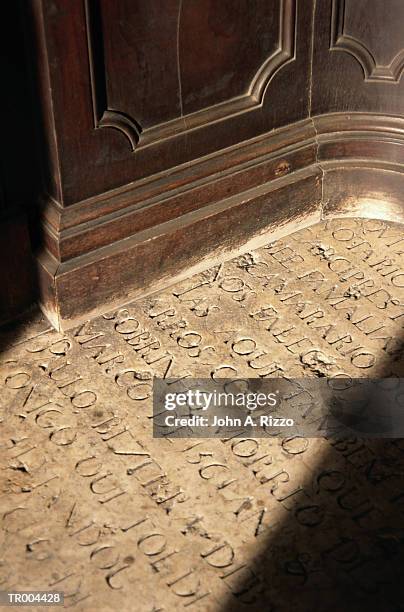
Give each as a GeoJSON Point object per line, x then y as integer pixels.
{"type": "Point", "coordinates": [109, 249]}
{"type": "Point", "coordinates": [160, 255]}
{"type": "Point", "coordinates": [285, 52]}
{"type": "Point", "coordinates": [130, 127]}
{"type": "Point", "coordinates": [119, 214]}
{"type": "Point", "coordinates": [341, 41]}
{"type": "Point", "coordinates": [103, 116]}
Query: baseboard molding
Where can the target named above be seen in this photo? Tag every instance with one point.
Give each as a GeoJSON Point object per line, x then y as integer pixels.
{"type": "Point", "coordinates": [111, 249]}
{"type": "Point", "coordinates": [97, 281]}
{"type": "Point", "coordinates": [115, 215]}
{"type": "Point", "coordinates": [356, 190]}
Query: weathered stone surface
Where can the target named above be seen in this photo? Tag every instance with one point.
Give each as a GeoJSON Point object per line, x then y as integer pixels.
{"type": "Point", "coordinates": [92, 505]}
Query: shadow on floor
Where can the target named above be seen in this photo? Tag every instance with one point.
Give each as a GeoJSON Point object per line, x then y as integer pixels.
{"type": "Point", "coordinates": [28, 325]}
{"type": "Point", "coordinates": [341, 547]}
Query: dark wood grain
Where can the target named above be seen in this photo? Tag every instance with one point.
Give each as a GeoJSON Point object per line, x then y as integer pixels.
{"type": "Point", "coordinates": [139, 41]}
{"type": "Point", "coordinates": [185, 192]}
{"type": "Point", "coordinates": [138, 265]}
{"type": "Point", "coordinates": [234, 39]}
{"type": "Point", "coordinates": [358, 57]}
{"type": "Point", "coordinates": [173, 131]}
{"type": "Point", "coordinates": [141, 47]}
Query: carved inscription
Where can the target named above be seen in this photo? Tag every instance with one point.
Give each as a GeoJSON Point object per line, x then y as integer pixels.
{"type": "Point", "coordinates": [93, 505]}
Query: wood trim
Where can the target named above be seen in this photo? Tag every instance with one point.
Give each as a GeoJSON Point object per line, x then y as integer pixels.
{"type": "Point", "coordinates": [341, 41]}
{"type": "Point", "coordinates": [95, 149]}
{"type": "Point", "coordinates": [69, 232]}
{"type": "Point", "coordinates": [358, 190]}
{"type": "Point", "coordinates": [362, 158]}
{"type": "Point", "coordinates": [106, 250]}
{"type": "Point", "coordinates": [103, 116]}
{"type": "Point", "coordinates": [81, 239]}
{"type": "Point", "coordinates": [183, 176]}
{"type": "Point", "coordinates": [118, 214]}
{"type": "Point", "coordinates": [140, 138]}
{"type": "Point", "coordinates": [174, 202]}
{"type": "Point", "coordinates": [369, 137]}
{"type": "Point", "coordinates": [159, 256]}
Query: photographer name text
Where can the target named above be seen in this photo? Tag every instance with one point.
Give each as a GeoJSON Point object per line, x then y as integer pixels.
{"type": "Point", "coordinates": [226, 421]}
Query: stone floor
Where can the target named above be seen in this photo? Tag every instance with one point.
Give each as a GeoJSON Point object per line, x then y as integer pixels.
{"type": "Point", "coordinates": [94, 506]}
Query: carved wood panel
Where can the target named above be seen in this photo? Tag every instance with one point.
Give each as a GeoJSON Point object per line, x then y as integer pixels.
{"type": "Point", "coordinates": [357, 31]}
{"type": "Point", "coordinates": [358, 56]}
{"type": "Point", "coordinates": [211, 59]}
{"type": "Point", "coordinates": [173, 80]}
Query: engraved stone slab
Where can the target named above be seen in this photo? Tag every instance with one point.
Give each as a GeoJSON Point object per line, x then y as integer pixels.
{"type": "Point", "coordinates": [94, 506]}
